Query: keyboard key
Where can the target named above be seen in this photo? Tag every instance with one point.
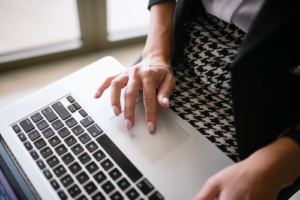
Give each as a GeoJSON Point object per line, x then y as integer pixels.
{"type": "Point", "coordinates": [75, 168]}
{"type": "Point", "coordinates": [49, 114]}
{"type": "Point", "coordinates": [34, 135]}
{"type": "Point", "coordinates": [66, 180]}
{"type": "Point", "coordinates": [87, 121]}
{"type": "Point", "coordinates": [77, 130]}
{"type": "Point", "coordinates": [61, 110]}
{"type": "Point", "coordinates": [60, 170]}
{"type": "Point", "coordinates": [28, 145]}
{"type": "Point", "coordinates": [99, 155]}
{"type": "Point", "coordinates": [36, 117]}
{"type": "Point", "coordinates": [71, 122]}
{"type": "Point", "coordinates": [91, 146]}
{"type": "Point", "coordinates": [57, 124]}
{"type": "Point", "coordinates": [98, 196]}
{"type": "Point", "coordinates": [108, 187]}
{"type": "Point", "coordinates": [77, 149]}
{"type": "Point", "coordinates": [34, 154]}
{"type": "Point", "coordinates": [84, 138]}
{"type": "Point", "coordinates": [82, 177]}
{"type": "Point", "coordinates": [82, 198]}
{"type": "Point", "coordinates": [40, 143]}
{"type": "Point", "coordinates": [26, 125]}
{"type": "Point", "coordinates": [70, 99]}
{"type": "Point", "coordinates": [63, 132]}
{"type": "Point", "coordinates": [46, 152]}
{"type": "Point", "coordinates": [41, 164]}
{"type": "Point", "coordinates": [82, 113]}
{"type": "Point", "coordinates": [71, 108]}
{"type": "Point", "coordinates": [116, 196]}
{"type": "Point", "coordinates": [124, 163]}
{"type": "Point", "coordinates": [84, 158]}
{"type": "Point", "coordinates": [47, 173]}
{"type": "Point", "coordinates": [70, 140]}
{"type": "Point", "coordinates": [115, 174]}
{"type": "Point", "coordinates": [76, 105]}
{"type": "Point", "coordinates": [92, 167]}
{"type": "Point", "coordinates": [67, 158]}
{"type": "Point", "coordinates": [54, 141]}
{"type": "Point", "coordinates": [90, 187]}
{"type": "Point", "coordinates": [107, 164]}
{"type": "Point", "coordinates": [145, 186]}
{"type": "Point", "coordinates": [100, 177]}
{"type": "Point", "coordinates": [16, 128]}
{"type": "Point", "coordinates": [62, 195]}
{"type": "Point", "coordinates": [123, 184]}
{"type": "Point", "coordinates": [95, 130]}
{"type": "Point", "coordinates": [22, 136]}
{"type": "Point", "coordinates": [132, 194]}
{"type": "Point", "coordinates": [54, 184]}
{"type": "Point", "coordinates": [61, 149]}
{"type": "Point", "coordinates": [48, 132]}
{"type": "Point", "coordinates": [42, 125]}
{"type": "Point", "coordinates": [52, 161]}
{"type": "Point", "coordinates": [156, 196]}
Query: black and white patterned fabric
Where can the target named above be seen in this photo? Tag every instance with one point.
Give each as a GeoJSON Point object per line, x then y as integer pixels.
{"type": "Point", "coordinates": [202, 95]}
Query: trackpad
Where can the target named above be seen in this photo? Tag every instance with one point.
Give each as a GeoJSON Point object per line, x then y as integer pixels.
{"type": "Point", "coordinates": [166, 137]}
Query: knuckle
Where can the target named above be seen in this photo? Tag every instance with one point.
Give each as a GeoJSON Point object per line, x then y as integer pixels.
{"type": "Point", "coordinates": [211, 181]}
{"type": "Point", "coordinates": [115, 83]}
{"type": "Point", "coordinates": [149, 72]}
{"type": "Point", "coordinates": [149, 100]}
{"type": "Point", "coordinates": [129, 92]}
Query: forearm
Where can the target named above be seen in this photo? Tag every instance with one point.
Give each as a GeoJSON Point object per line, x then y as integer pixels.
{"type": "Point", "coordinates": [159, 40]}
{"type": "Point", "coordinates": [279, 162]}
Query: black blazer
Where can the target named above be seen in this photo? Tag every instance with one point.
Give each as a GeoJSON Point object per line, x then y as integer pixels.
{"type": "Point", "coordinates": [266, 95]}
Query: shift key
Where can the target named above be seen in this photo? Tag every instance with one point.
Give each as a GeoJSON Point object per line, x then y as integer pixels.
{"type": "Point", "coordinates": [49, 114]}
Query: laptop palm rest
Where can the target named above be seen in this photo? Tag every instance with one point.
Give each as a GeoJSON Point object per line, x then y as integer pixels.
{"type": "Point", "coordinates": [154, 146]}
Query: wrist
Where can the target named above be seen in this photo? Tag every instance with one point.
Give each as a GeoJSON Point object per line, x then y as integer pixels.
{"type": "Point", "coordinates": [157, 58]}
{"type": "Point", "coordinates": [278, 163]}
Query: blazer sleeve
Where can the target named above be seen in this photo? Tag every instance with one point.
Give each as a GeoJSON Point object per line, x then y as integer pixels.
{"type": "Point", "coordinates": [152, 2]}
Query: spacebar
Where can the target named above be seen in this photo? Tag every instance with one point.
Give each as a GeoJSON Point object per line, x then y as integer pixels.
{"type": "Point", "coordinates": [124, 163]}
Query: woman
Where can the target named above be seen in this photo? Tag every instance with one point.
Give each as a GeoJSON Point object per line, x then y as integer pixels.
{"type": "Point", "coordinates": [261, 91]}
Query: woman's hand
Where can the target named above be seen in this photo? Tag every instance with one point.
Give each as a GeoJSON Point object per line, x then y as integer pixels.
{"type": "Point", "coordinates": [239, 182]}
{"type": "Point", "coordinates": [260, 176]}
{"type": "Point", "coordinates": [148, 75]}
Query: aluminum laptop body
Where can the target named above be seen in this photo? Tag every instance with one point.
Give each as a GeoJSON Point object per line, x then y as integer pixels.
{"type": "Point", "coordinates": [172, 163]}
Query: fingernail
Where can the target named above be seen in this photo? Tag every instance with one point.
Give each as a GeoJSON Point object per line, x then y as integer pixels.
{"type": "Point", "coordinates": [150, 127]}
{"type": "Point", "coordinates": [97, 93]}
{"type": "Point", "coordinates": [128, 124]}
{"type": "Point", "coordinates": [166, 101]}
{"type": "Point", "coordinates": [116, 110]}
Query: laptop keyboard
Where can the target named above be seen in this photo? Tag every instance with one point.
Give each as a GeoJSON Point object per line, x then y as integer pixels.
{"type": "Point", "coordinates": [78, 159]}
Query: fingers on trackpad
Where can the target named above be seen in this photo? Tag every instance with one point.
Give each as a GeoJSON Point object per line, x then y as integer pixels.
{"type": "Point", "coordinates": [167, 136]}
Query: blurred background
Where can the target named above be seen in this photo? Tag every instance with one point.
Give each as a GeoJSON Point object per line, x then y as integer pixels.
{"type": "Point", "coordinates": [43, 41]}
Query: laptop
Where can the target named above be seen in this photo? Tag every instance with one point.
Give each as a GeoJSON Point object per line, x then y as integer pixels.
{"type": "Point", "coordinates": [68, 145]}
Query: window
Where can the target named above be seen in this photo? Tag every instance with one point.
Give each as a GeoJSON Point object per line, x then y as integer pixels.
{"type": "Point", "coordinates": [36, 31]}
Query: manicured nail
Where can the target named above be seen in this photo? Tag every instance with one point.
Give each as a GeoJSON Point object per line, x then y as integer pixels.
{"type": "Point", "coordinates": [166, 101]}
{"type": "Point", "coordinates": [128, 124]}
{"type": "Point", "coordinates": [150, 127]}
{"type": "Point", "coordinates": [116, 110]}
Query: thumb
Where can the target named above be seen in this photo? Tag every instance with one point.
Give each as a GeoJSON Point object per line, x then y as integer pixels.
{"type": "Point", "coordinates": [165, 91]}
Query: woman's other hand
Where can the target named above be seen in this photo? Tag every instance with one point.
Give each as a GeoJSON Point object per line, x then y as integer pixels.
{"type": "Point", "coordinates": [259, 177]}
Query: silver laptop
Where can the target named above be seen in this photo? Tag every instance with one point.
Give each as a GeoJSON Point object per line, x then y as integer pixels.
{"type": "Point", "coordinates": [71, 146]}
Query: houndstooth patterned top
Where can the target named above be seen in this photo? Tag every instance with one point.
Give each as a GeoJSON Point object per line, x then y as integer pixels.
{"type": "Point", "coordinates": [202, 95]}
